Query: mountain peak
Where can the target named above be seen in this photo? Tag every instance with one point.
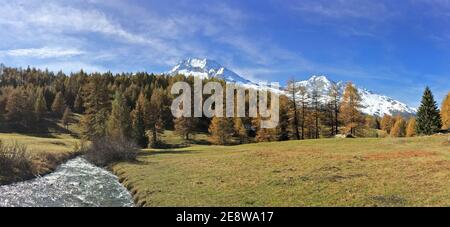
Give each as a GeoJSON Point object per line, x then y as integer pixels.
{"type": "Point", "coordinates": [205, 69]}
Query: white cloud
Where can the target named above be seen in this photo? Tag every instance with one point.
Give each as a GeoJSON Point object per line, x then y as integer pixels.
{"type": "Point", "coordinates": [44, 52]}
{"type": "Point", "coordinates": [340, 9]}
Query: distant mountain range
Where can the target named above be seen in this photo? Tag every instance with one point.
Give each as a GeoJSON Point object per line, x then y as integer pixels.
{"type": "Point", "coordinates": [372, 103]}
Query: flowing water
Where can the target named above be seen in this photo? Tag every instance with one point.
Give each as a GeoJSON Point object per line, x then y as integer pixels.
{"type": "Point", "coordinates": [76, 183]}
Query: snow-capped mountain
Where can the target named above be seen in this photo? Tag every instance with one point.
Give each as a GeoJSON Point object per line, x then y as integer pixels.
{"type": "Point", "coordinates": [205, 68]}
{"type": "Point", "coordinates": [373, 104]}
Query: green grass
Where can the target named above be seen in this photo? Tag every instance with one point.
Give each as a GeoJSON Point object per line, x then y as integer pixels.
{"type": "Point", "coordinates": [327, 172]}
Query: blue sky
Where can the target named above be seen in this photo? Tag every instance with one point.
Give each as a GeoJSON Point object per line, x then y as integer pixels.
{"type": "Point", "coordinates": [392, 47]}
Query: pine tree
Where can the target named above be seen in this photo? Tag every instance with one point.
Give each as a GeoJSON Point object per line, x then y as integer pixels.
{"type": "Point", "coordinates": [445, 112]}
{"type": "Point", "coordinates": [240, 131]}
{"type": "Point", "coordinates": [138, 132]}
{"type": "Point", "coordinates": [156, 125]}
{"type": "Point", "coordinates": [399, 129]}
{"type": "Point", "coordinates": [96, 104]}
{"type": "Point", "coordinates": [222, 130]}
{"type": "Point", "coordinates": [66, 117]}
{"type": "Point", "coordinates": [15, 105]}
{"type": "Point", "coordinates": [349, 109]}
{"type": "Point", "coordinates": [59, 104]}
{"type": "Point", "coordinates": [40, 106]}
{"type": "Point", "coordinates": [387, 122]}
{"type": "Point", "coordinates": [428, 116]}
{"type": "Point", "coordinates": [118, 124]}
{"type": "Point", "coordinates": [411, 127]}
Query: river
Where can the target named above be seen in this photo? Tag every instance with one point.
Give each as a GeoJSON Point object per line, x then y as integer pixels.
{"type": "Point", "coordinates": [77, 183]}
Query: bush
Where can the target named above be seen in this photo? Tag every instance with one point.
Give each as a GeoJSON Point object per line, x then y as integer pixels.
{"type": "Point", "coordinates": [108, 150]}
{"type": "Point", "coordinates": [15, 162]}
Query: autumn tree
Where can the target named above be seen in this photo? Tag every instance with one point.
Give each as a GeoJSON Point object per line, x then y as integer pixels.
{"type": "Point", "coordinates": [118, 125]}
{"type": "Point", "coordinates": [40, 106]}
{"type": "Point", "coordinates": [222, 130]}
{"type": "Point", "coordinates": [66, 117]}
{"type": "Point", "coordinates": [239, 130]}
{"type": "Point", "coordinates": [59, 104]}
{"type": "Point", "coordinates": [387, 122]}
{"type": "Point", "coordinates": [15, 105]}
{"type": "Point", "coordinates": [411, 127]}
{"type": "Point", "coordinates": [283, 124]}
{"type": "Point", "coordinates": [185, 127]}
{"type": "Point", "coordinates": [335, 97]}
{"type": "Point", "coordinates": [293, 89]}
{"type": "Point", "coordinates": [155, 117]}
{"type": "Point", "coordinates": [428, 116]}
{"type": "Point", "coordinates": [315, 106]}
{"type": "Point", "coordinates": [78, 103]}
{"type": "Point", "coordinates": [138, 125]}
{"type": "Point", "coordinates": [263, 134]}
{"type": "Point", "coordinates": [445, 112]}
{"type": "Point", "coordinates": [349, 109]}
{"type": "Point", "coordinates": [96, 104]}
{"type": "Point", "coordinates": [399, 129]}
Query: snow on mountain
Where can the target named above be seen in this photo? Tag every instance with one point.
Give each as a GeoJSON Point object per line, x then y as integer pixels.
{"type": "Point", "coordinates": [205, 68]}
{"type": "Point", "coordinates": [373, 104]}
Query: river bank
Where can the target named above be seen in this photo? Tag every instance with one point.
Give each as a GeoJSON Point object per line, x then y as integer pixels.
{"type": "Point", "coordinates": [45, 152]}
{"type": "Point", "coordinates": [76, 183]}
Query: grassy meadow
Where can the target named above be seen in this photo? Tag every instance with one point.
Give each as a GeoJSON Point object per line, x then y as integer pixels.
{"type": "Point", "coordinates": [326, 172]}
{"type": "Point", "coordinates": [46, 148]}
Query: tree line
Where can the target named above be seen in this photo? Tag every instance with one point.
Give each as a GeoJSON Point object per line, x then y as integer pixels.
{"type": "Point", "coordinates": [136, 106]}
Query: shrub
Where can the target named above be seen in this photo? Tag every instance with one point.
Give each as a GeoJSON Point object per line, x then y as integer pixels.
{"type": "Point", "coordinates": [107, 150]}
{"type": "Point", "coordinates": [15, 161]}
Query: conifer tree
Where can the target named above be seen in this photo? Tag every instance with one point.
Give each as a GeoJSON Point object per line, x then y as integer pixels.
{"type": "Point", "coordinates": [59, 104]}
{"type": "Point", "coordinates": [399, 129]}
{"type": "Point", "coordinates": [349, 109]}
{"type": "Point", "coordinates": [445, 112]}
{"type": "Point", "coordinates": [428, 116]}
{"type": "Point", "coordinates": [118, 124]}
{"type": "Point", "coordinates": [156, 126]}
{"type": "Point", "coordinates": [40, 106]}
{"type": "Point", "coordinates": [411, 127]}
{"type": "Point", "coordinates": [387, 122]}
{"type": "Point", "coordinates": [96, 104]}
{"type": "Point", "coordinates": [138, 132]}
{"type": "Point", "coordinates": [293, 89]}
{"type": "Point", "coordinates": [222, 130]}
{"type": "Point", "coordinates": [66, 117]}
{"type": "Point", "coordinates": [14, 106]}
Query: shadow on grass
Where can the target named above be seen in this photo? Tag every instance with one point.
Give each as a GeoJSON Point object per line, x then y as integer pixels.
{"type": "Point", "coordinates": [163, 152]}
